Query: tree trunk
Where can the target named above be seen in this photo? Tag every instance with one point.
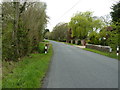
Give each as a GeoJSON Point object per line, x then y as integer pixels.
{"type": "Point", "coordinates": [83, 42]}
{"type": "Point", "coordinates": [16, 21]}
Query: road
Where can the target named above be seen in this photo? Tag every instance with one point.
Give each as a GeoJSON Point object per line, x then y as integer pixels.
{"type": "Point", "coordinates": [72, 67]}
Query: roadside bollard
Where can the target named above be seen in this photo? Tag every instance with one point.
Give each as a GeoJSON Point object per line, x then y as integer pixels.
{"type": "Point", "coordinates": [117, 50]}
{"type": "Point", "coordinates": [46, 48]}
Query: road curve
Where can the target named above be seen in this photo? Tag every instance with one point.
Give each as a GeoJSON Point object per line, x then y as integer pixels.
{"type": "Point", "coordinates": [72, 67]}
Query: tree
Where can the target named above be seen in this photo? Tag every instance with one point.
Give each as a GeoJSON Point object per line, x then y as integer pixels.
{"type": "Point", "coordinates": [60, 32]}
{"type": "Point", "coordinates": [23, 26]}
{"type": "Point", "coordinates": [115, 14]}
{"type": "Point", "coordinates": [45, 31]}
{"type": "Point", "coordinates": [15, 31]}
{"type": "Point", "coordinates": [115, 34]}
{"type": "Point", "coordinates": [106, 19]}
{"type": "Point", "coordinates": [47, 35]}
{"type": "Point", "coordinates": [94, 37]}
{"type": "Point", "coordinates": [83, 23]}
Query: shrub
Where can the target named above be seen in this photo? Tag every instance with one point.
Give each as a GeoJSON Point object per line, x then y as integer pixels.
{"type": "Point", "coordinates": [41, 47]}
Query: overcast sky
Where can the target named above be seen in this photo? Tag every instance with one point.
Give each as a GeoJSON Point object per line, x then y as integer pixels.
{"type": "Point", "coordinates": [63, 10]}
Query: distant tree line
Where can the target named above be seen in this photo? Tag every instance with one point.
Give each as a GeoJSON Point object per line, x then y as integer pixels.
{"type": "Point", "coordinates": [23, 24]}
{"type": "Point", "coordinates": [58, 33]}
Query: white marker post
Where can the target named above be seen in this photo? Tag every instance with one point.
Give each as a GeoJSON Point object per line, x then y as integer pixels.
{"type": "Point", "coordinates": [110, 49]}
{"type": "Point", "coordinates": [117, 50]}
{"type": "Point", "coordinates": [46, 48]}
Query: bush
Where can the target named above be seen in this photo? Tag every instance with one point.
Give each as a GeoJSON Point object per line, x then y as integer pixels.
{"type": "Point", "coordinates": [88, 41]}
{"type": "Point", "coordinates": [41, 47]}
{"type": "Point", "coordinates": [27, 73]}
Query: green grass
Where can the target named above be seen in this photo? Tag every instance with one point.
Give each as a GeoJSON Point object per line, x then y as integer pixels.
{"type": "Point", "coordinates": [45, 41]}
{"type": "Point", "coordinates": [29, 72]}
{"type": "Point", "coordinates": [111, 55]}
{"type": "Point", "coordinates": [41, 47]}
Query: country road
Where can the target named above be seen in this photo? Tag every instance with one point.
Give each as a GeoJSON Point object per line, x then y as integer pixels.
{"type": "Point", "coordinates": [72, 67]}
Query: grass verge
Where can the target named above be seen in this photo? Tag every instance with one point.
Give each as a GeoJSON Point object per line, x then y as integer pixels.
{"type": "Point", "coordinates": [29, 72]}
{"type": "Point", "coordinates": [111, 55]}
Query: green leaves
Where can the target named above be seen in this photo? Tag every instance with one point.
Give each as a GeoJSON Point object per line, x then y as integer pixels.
{"type": "Point", "coordinates": [94, 37]}
{"type": "Point", "coordinates": [116, 12]}
{"type": "Point", "coordinates": [29, 72]}
{"type": "Point", "coordinates": [23, 26]}
{"type": "Point", "coordinates": [60, 32]}
{"type": "Point", "coordinates": [82, 23]}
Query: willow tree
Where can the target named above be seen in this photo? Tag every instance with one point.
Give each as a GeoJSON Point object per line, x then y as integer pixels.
{"type": "Point", "coordinates": [83, 23]}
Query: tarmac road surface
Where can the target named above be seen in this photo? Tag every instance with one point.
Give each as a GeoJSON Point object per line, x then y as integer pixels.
{"type": "Point", "coordinates": [72, 67]}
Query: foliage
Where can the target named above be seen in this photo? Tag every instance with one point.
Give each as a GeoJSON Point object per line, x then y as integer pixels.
{"type": "Point", "coordinates": [83, 23]}
{"type": "Point", "coordinates": [94, 37]}
{"type": "Point", "coordinates": [59, 32]}
{"type": "Point", "coordinates": [115, 14]}
{"type": "Point", "coordinates": [27, 73]}
{"type": "Point", "coordinates": [103, 36]}
{"type": "Point", "coordinates": [23, 24]}
{"type": "Point", "coordinates": [47, 35]}
{"type": "Point", "coordinates": [45, 31]}
{"type": "Point", "coordinates": [110, 37]}
{"type": "Point", "coordinates": [41, 47]}
{"type": "Point", "coordinates": [113, 40]}
{"type": "Point", "coordinates": [106, 37]}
